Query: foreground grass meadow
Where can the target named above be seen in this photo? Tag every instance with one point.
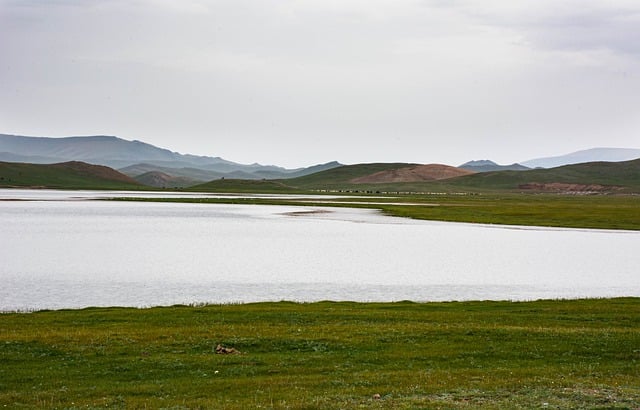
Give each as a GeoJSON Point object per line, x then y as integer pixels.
{"type": "Point", "coordinates": [493, 355]}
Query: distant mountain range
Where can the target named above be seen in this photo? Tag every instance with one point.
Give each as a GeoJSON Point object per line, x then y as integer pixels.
{"type": "Point", "coordinates": [135, 158]}
{"type": "Point", "coordinates": [588, 155]}
{"type": "Point", "coordinates": [578, 157]}
{"type": "Point", "coordinates": [153, 166]}
{"type": "Point", "coordinates": [487, 166]}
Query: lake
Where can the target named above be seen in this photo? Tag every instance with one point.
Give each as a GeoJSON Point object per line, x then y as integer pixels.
{"type": "Point", "coordinates": [61, 253]}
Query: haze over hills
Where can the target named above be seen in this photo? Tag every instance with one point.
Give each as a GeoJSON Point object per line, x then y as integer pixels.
{"type": "Point", "coordinates": [119, 153]}
{"type": "Point", "coordinates": [159, 179]}
{"type": "Point", "coordinates": [158, 167]}
{"type": "Point", "coordinates": [588, 155]}
{"type": "Point", "coordinates": [486, 165]}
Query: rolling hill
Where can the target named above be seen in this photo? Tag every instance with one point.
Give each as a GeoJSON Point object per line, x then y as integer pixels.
{"type": "Point", "coordinates": [341, 177]}
{"type": "Point", "coordinates": [159, 179]}
{"type": "Point", "coordinates": [416, 173]}
{"type": "Point", "coordinates": [67, 175]}
{"type": "Point", "coordinates": [585, 177]}
{"type": "Point", "coordinates": [593, 177]}
{"type": "Point", "coordinates": [486, 165]}
{"type": "Point", "coordinates": [603, 177]}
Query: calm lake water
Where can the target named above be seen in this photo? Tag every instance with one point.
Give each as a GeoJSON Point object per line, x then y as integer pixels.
{"type": "Point", "coordinates": [70, 254]}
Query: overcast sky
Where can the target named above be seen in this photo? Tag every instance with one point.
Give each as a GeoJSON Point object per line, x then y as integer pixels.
{"type": "Point", "coordinates": [300, 82]}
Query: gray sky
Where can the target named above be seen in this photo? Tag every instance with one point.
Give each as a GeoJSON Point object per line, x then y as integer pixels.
{"type": "Point", "coordinates": [294, 82]}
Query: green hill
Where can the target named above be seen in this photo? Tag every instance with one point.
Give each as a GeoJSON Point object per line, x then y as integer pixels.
{"type": "Point", "coordinates": [603, 177]}
{"type": "Point", "coordinates": [334, 178]}
{"type": "Point", "coordinates": [587, 177]}
{"type": "Point", "coordinates": [591, 176]}
{"type": "Point", "coordinates": [159, 179]}
{"type": "Point", "coordinates": [67, 175]}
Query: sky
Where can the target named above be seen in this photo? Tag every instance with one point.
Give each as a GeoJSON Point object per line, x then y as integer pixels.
{"type": "Point", "coordinates": [301, 82]}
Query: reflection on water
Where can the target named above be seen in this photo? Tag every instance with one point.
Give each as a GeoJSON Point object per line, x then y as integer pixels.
{"type": "Point", "coordinates": [93, 253]}
{"type": "Point", "coordinates": [59, 195]}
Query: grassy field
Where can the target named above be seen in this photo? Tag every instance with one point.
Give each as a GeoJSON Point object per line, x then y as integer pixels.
{"type": "Point", "coordinates": [598, 211]}
{"type": "Point", "coordinates": [493, 355]}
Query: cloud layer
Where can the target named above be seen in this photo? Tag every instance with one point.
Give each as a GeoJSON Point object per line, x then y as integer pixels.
{"type": "Point", "coordinates": [298, 82]}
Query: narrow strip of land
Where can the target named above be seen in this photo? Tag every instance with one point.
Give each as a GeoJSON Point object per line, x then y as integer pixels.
{"type": "Point", "coordinates": [565, 211]}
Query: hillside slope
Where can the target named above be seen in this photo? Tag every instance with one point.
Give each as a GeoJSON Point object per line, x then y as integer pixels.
{"type": "Point", "coordinates": [342, 176]}
{"type": "Point", "coordinates": [159, 179]}
{"type": "Point", "coordinates": [486, 165]}
{"type": "Point", "coordinates": [416, 173]}
{"type": "Point", "coordinates": [604, 177]}
{"type": "Point", "coordinates": [586, 177]}
{"type": "Point", "coordinates": [67, 175]}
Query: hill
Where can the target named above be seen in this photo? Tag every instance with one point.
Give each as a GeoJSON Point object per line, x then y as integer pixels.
{"type": "Point", "coordinates": [586, 177]}
{"type": "Point", "coordinates": [161, 180]}
{"type": "Point", "coordinates": [416, 173]}
{"type": "Point", "coordinates": [195, 174]}
{"type": "Point", "coordinates": [343, 176]}
{"type": "Point", "coordinates": [602, 177]}
{"type": "Point", "coordinates": [588, 155]}
{"type": "Point", "coordinates": [486, 165]}
{"type": "Point", "coordinates": [68, 175]}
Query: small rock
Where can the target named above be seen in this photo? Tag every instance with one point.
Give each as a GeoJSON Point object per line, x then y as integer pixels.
{"type": "Point", "coordinates": [226, 350]}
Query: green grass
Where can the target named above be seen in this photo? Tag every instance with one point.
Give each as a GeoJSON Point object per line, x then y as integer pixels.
{"type": "Point", "coordinates": [494, 355]}
{"type": "Point", "coordinates": [593, 211]}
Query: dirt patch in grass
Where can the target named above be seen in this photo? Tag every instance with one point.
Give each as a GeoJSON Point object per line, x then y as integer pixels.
{"type": "Point", "coordinates": [430, 172]}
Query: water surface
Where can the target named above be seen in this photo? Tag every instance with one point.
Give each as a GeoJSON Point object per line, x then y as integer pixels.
{"type": "Point", "coordinates": [58, 254]}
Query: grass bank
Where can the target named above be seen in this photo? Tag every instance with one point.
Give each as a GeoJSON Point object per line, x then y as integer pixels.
{"type": "Point", "coordinates": [494, 355]}
{"type": "Point", "coordinates": [567, 211]}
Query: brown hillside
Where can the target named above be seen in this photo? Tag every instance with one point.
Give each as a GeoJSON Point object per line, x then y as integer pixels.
{"type": "Point", "coordinates": [97, 171]}
{"type": "Point", "coordinates": [160, 179]}
{"type": "Point", "coordinates": [417, 173]}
